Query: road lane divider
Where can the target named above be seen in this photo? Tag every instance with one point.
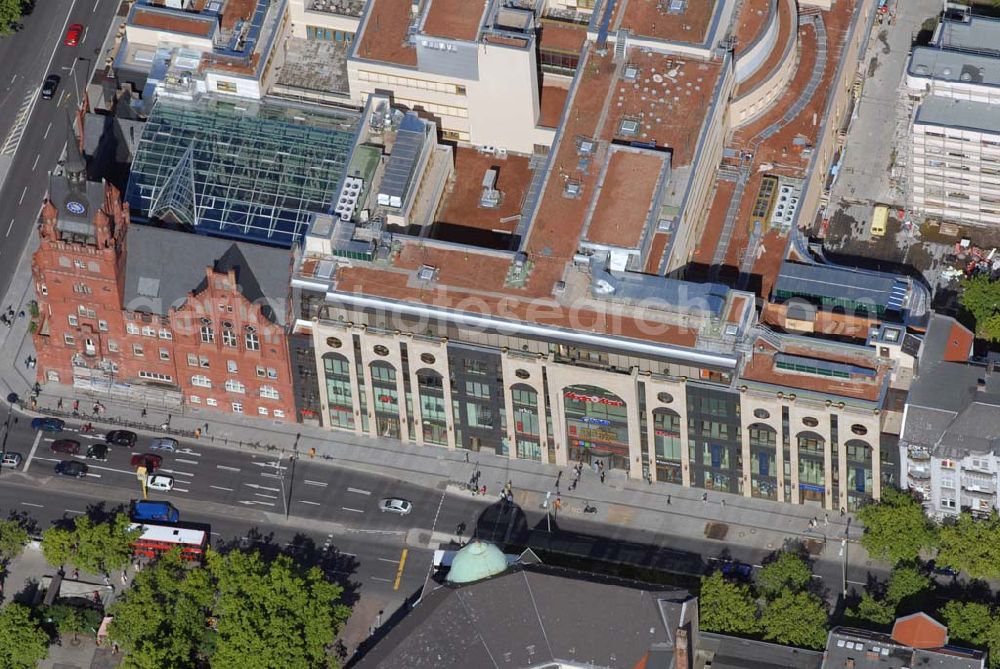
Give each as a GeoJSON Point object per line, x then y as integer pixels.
{"type": "Point", "coordinates": [219, 487]}
{"type": "Point", "coordinates": [318, 483]}
{"type": "Point", "coordinates": [402, 566]}
{"type": "Point", "coordinates": [227, 468]}
{"type": "Point", "coordinates": [358, 491]}
{"type": "Point", "coordinates": [305, 501]}
{"type": "Point", "coordinates": [347, 508]}
{"type": "Point", "coordinates": [31, 454]}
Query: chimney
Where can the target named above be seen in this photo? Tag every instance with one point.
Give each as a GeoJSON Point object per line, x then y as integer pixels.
{"type": "Point", "coordinates": [682, 658]}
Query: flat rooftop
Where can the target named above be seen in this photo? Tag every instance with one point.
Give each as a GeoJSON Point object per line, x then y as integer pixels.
{"type": "Point", "coordinates": [804, 369]}
{"type": "Point", "coordinates": [954, 66]}
{"type": "Point", "coordinates": [665, 103]}
{"type": "Point", "coordinates": [551, 105]}
{"type": "Point", "coordinates": [976, 33]}
{"type": "Point", "coordinates": [562, 36]}
{"type": "Point", "coordinates": [172, 21]}
{"type": "Point", "coordinates": [454, 19]}
{"type": "Point", "coordinates": [461, 206]}
{"type": "Point", "coordinates": [939, 111]}
{"type": "Point", "coordinates": [672, 20]}
{"type": "Point", "coordinates": [752, 21]}
{"type": "Point", "coordinates": [315, 65]}
{"type": "Point", "coordinates": [625, 196]}
{"type": "Point", "coordinates": [384, 35]}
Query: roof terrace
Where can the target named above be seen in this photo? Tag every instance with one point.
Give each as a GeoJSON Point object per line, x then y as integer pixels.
{"type": "Point", "coordinates": [454, 19]}
{"type": "Point", "coordinates": [672, 20]}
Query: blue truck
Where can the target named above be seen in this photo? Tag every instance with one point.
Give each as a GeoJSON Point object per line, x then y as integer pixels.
{"type": "Point", "coordinates": [146, 510]}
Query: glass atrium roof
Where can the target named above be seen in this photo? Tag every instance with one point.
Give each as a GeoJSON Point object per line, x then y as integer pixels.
{"type": "Point", "coordinates": [241, 169]}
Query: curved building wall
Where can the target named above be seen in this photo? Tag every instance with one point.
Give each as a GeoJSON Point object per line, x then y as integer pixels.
{"type": "Point", "coordinates": [750, 59]}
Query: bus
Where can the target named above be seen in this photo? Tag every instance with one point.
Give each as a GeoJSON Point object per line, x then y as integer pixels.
{"type": "Point", "coordinates": [155, 540]}
{"type": "Point", "coordinates": [879, 220]}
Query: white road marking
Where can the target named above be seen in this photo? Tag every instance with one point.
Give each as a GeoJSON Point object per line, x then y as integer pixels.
{"type": "Point", "coordinates": [37, 506]}
{"type": "Point", "coordinates": [46, 135]}
{"type": "Point", "coordinates": [272, 476]}
{"type": "Point", "coordinates": [384, 580]}
{"type": "Point", "coordinates": [35, 164]}
{"type": "Point", "coordinates": [228, 469]}
{"type": "Point", "coordinates": [219, 487]}
{"type": "Point", "coordinates": [14, 78]}
{"type": "Point", "coordinates": [34, 447]}
{"type": "Point", "coordinates": [188, 451]}
{"type": "Point", "coordinates": [177, 473]}
{"type": "Point", "coordinates": [319, 483]}
{"type": "Point", "coordinates": [270, 465]}
{"type": "Point", "coordinates": [129, 472]}
{"type": "Point", "coordinates": [96, 476]}
{"type": "Point", "coordinates": [49, 439]}
{"type": "Point", "coordinates": [9, 227]}
{"type": "Point", "coordinates": [305, 501]}
{"type": "Point", "coordinates": [255, 501]}
{"type": "Point", "coordinates": [388, 560]}
{"type": "Point", "coordinates": [176, 489]}
{"type": "Point", "coordinates": [257, 486]}
{"type": "Point", "coordinates": [22, 195]}
{"type": "Point", "coordinates": [80, 513]}
{"type": "Point", "coordinates": [187, 462]}
{"type": "Point", "coordinates": [265, 495]}
{"type": "Point", "coordinates": [359, 491]}
{"type": "Point", "coordinates": [94, 11]}
{"type": "Point", "coordinates": [347, 508]}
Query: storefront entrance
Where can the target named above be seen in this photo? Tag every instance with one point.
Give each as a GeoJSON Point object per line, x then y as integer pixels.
{"type": "Point", "coordinates": [596, 427]}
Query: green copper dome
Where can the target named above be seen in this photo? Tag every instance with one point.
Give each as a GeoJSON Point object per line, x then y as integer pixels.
{"type": "Point", "coordinates": [476, 561]}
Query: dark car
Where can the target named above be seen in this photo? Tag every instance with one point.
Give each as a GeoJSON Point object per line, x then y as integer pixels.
{"type": "Point", "coordinates": [943, 570]}
{"type": "Point", "coordinates": [73, 34]}
{"type": "Point", "coordinates": [71, 468]}
{"type": "Point", "coordinates": [67, 446]}
{"type": "Point", "coordinates": [147, 460]}
{"type": "Point", "coordinates": [735, 569]}
{"type": "Point", "coordinates": [47, 424]}
{"type": "Point", "coordinates": [121, 438]}
{"type": "Point", "coordinates": [98, 452]}
{"type": "Point", "coordinates": [49, 86]}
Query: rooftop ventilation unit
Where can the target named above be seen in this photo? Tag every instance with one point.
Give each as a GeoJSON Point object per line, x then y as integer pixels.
{"type": "Point", "coordinates": [490, 197]}
{"type": "Point", "coordinates": [572, 189]}
{"type": "Point", "coordinates": [427, 273]}
{"type": "Point", "coordinates": [347, 202]}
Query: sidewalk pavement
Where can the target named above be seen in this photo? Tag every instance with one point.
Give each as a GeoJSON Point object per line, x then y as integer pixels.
{"type": "Point", "coordinates": [624, 502]}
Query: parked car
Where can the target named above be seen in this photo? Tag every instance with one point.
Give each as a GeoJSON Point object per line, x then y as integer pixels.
{"type": "Point", "coordinates": [736, 569]}
{"type": "Point", "coordinates": [942, 570]}
{"type": "Point", "coordinates": [73, 34]}
{"type": "Point", "coordinates": [98, 452]}
{"type": "Point", "coordinates": [121, 438]}
{"type": "Point", "coordinates": [167, 444]}
{"type": "Point", "coordinates": [148, 460]}
{"type": "Point", "coordinates": [149, 510]}
{"type": "Point", "coordinates": [71, 468]}
{"type": "Point", "coordinates": [67, 446]}
{"type": "Point", "coordinates": [160, 482]}
{"type": "Point", "coordinates": [395, 505]}
{"type": "Point", "coordinates": [47, 424]}
{"type": "Point", "coordinates": [12, 459]}
{"type": "Point", "coordinates": [49, 86]}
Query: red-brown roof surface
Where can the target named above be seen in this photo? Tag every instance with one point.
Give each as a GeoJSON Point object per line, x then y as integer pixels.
{"type": "Point", "coordinates": [959, 345]}
{"type": "Point", "coordinates": [551, 105]}
{"type": "Point", "coordinates": [753, 20]}
{"type": "Point", "coordinates": [454, 19]}
{"type": "Point", "coordinates": [172, 23]}
{"type": "Point", "coordinates": [562, 36]}
{"type": "Point", "coordinates": [626, 194]}
{"type": "Point", "coordinates": [461, 205]}
{"type": "Point", "coordinates": [649, 18]}
{"type": "Point", "coordinates": [919, 630]}
{"type": "Point", "coordinates": [235, 10]}
{"type": "Point", "coordinates": [705, 249]}
{"type": "Point", "coordinates": [384, 36]}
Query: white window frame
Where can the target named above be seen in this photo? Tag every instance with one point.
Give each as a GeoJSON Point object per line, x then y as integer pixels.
{"type": "Point", "coordinates": [201, 381]}
{"type": "Point", "coordinates": [237, 407]}
{"type": "Point", "coordinates": [235, 386]}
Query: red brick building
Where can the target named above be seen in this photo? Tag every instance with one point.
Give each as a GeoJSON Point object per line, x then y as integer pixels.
{"type": "Point", "coordinates": [157, 316]}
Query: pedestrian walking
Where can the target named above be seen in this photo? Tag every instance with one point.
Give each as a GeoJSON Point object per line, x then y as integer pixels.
{"type": "Point", "coordinates": [843, 512]}
{"type": "Point", "coordinates": [76, 574]}
{"type": "Point", "coordinates": [704, 496]}
{"type": "Point", "coordinates": [107, 579]}
{"type": "Point", "coordinates": [723, 503]}
{"type": "Point", "coordinates": [34, 403]}
{"type": "Point", "coordinates": [668, 500]}
{"type": "Point", "coordinates": [59, 404]}
{"type": "Point", "coordinates": [143, 412]}
{"type": "Point", "coordinates": [558, 477]}
{"type": "Point", "coordinates": [466, 456]}
{"type": "Point", "coordinates": [483, 489]}
{"type": "Point", "coordinates": [20, 315]}
{"type": "Point", "coordinates": [826, 520]}
{"type": "Point", "coordinates": [602, 477]}
{"type": "Point", "coordinates": [124, 579]}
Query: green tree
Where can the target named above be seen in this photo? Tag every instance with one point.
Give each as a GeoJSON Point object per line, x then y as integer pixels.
{"type": "Point", "coordinates": [10, 14]}
{"type": "Point", "coordinates": [896, 528]}
{"type": "Point", "coordinates": [273, 613]}
{"type": "Point", "coordinates": [972, 546]}
{"type": "Point", "coordinates": [726, 607]}
{"type": "Point", "coordinates": [13, 537]}
{"type": "Point", "coordinates": [73, 620]}
{"type": "Point", "coordinates": [795, 619]}
{"type": "Point", "coordinates": [93, 547]}
{"type": "Point", "coordinates": [981, 298]}
{"type": "Point", "coordinates": [58, 545]}
{"type": "Point", "coordinates": [880, 605]}
{"type": "Point", "coordinates": [873, 610]}
{"type": "Point", "coordinates": [162, 620]}
{"type": "Point", "coordinates": [974, 624]}
{"type": "Point", "coordinates": [23, 643]}
{"type": "Point", "coordinates": [788, 571]}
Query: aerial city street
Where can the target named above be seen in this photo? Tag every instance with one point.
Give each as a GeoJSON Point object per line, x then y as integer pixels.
{"type": "Point", "coordinates": [517, 333]}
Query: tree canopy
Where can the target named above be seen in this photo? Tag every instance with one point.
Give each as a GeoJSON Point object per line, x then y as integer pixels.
{"type": "Point", "coordinates": [23, 643]}
{"type": "Point", "coordinates": [727, 607]}
{"type": "Point", "coordinates": [796, 619]}
{"type": "Point", "coordinates": [880, 605]}
{"type": "Point", "coordinates": [971, 545]}
{"type": "Point", "coordinates": [981, 298]}
{"type": "Point", "coordinates": [788, 571]}
{"type": "Point", "coordinates": [896, 528]}
{"type": "Point", "coordinates": [974, 624]}
{"type": "Point", "coordinates": [241, 612]}
{"type": "Point", "coordinates": [10, 14]}
{"type": "Point", "coordinates": [94, 547]}
{"type": "Point", "coordinates": [13, 537]}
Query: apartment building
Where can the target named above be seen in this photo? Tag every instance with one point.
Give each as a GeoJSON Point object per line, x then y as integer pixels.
{"type": "Point", "coordinates": [955, 146]}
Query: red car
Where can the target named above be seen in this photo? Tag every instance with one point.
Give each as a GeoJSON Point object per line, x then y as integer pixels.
{"type": "Point", "coordinates": [73, 34]}
{"type": "Point", "coordinates": [147, 460]}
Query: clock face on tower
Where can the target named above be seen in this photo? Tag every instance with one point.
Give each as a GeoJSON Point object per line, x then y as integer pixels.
{"type": "Point", "coordinates": [74, 207]}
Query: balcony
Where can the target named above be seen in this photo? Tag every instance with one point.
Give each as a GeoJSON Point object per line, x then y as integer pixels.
{"type": "Point", "coordinates": [919, 473]}
{"type": "Point", "coordinates": [979, 486]}
{"type": "Point", "coordinates": [917, 454]}
{"type": "Point", "coordinates": [342, 7]}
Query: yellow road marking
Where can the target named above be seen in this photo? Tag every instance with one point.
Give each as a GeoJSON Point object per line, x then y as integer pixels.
{"type": "Point", "coordinates": [399, 571]}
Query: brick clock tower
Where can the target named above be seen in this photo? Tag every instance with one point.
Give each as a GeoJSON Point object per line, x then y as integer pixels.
{"type": "Point", "coordinates": [79, 275]}
{"type": "Point", "coordinates": [156, 316]}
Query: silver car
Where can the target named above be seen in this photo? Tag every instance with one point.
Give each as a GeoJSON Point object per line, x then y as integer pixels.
{"type": "Point", "coordinates": [167, 444]}
{"type": "Point", "coordinates": [395, 505]}
{"type": "Point", "coordinates": [11, 459]}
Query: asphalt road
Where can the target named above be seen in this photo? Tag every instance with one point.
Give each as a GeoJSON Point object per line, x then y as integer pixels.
{"type": "Point", "coordinates": [39, 126]}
